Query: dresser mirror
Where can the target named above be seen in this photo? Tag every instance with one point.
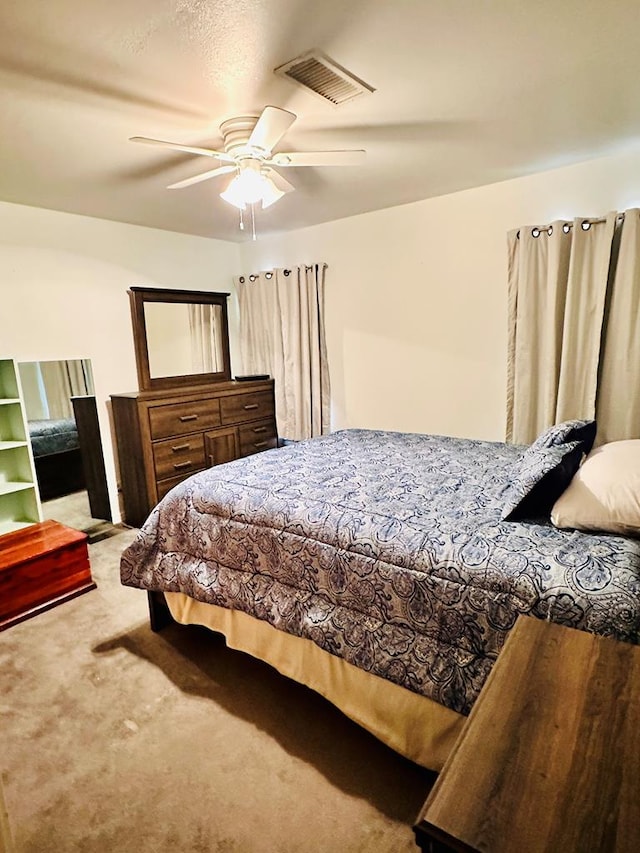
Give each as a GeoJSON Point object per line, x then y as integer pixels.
{"type": "Point", "coordinates": [181, 337]}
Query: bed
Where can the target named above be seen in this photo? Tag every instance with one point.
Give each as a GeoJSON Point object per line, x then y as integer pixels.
{"type": "Point", "coordinates": [56, 453]}
{"type": "Point", "coordinates": [385, 570]}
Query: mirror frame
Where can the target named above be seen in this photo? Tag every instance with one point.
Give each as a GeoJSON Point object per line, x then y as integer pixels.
{"type": "Point", "coordinates": [138, 297]}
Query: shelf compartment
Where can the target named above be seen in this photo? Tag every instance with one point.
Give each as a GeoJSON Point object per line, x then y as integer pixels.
{"type": "Point", "coordinates": [18, 509]}
{"type": "Point", "coordinates": [16, 463]}
{"type": "Point", "coordinates": [12, 425]}
{"type": "Point", "coordinates": [8, 379]}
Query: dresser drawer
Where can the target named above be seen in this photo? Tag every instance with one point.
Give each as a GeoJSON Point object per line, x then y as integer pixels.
{"type": "Point", "coordinates": [181, 418]}
{"type": "Point", "coordinates": [257, 437]}
{"type": "Point", "coordinates": [178, 456]}
{"type": "Point", "coordinates": [245, 407]}
{"type": "Point", "coordinates": [165, 486]}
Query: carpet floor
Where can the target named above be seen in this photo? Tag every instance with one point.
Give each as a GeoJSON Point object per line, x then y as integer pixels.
{"type": "Point", "coordinates": [73, 510]}
{"type": "Point", "coordinates": [113, 738]}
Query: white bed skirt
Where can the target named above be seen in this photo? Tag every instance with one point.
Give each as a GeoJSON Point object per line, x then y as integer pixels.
{"type": "Point", "coordinates": [413, 725]}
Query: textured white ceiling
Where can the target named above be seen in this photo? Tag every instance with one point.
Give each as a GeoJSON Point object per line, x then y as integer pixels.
{"type": "Point", "coordinates": [468, 92]}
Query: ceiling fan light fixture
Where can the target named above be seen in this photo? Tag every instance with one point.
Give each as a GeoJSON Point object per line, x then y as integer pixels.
{"type": "Point", "coordinates": [271, 193]}
{"type": "Point", "coordinates": [250, 186]}
{"type": "Point", "coordinates": [233, 195]}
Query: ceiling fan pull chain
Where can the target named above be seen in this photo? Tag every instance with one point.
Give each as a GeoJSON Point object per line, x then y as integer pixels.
{"type": "Point", "coordinates": [253, 223]}
{"type": "Point", "coordinates": [241, 220]}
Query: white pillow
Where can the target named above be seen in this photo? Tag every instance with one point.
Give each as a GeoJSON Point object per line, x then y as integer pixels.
{"type": "Point", "coordinates": [604, 494]}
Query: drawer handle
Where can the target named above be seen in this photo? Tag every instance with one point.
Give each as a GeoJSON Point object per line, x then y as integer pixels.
{"type": "Point", "coordinates": [259, 429]}
{"type": "Point", "coordinates": [179, 466]}
{"type": "Point", "coordinates": [251, 406]}
{"type": "Point", "coordinates": [178, 447]}
{"type": "Point", "coordinates": [260, 443]}
{"type": "Point", "coordinates": [184, 418]}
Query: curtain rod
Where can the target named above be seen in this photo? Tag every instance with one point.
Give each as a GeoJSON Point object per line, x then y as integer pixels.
{"type": "Point", "coordinates": [287, 272]}
{"type": "Point", "coordinates": [536, 230]}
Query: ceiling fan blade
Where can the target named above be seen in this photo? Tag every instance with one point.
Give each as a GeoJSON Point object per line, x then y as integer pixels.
{"type": "Point", "coordinates": [270, 128]}
{"type": "Point", "coordinates": [318, 158]}
{"type": "Point", "coordinates": [190, 149]}
{"type": "Point", "coordinates": [204, 176]}
{"type": "Point", "coordinates": [281, 183]}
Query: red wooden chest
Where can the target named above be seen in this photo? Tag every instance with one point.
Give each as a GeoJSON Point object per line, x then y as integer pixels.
{"type": "Point", "coordinates": [41, 566]}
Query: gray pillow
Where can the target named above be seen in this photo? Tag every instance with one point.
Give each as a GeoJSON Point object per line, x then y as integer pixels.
{"type": "Point", "coordinates": [538, 479]}
{"type": "Point", "coordinates": [583, 431]}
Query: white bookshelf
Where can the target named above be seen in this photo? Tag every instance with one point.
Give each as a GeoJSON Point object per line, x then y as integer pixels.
{"type": "Point", "coordinates": [19, 499]}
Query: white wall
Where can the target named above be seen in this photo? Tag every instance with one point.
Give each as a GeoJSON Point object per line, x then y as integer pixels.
{"type": "Point", "coordinates": [416, 295]}
{"type": "Point", "coordinates": [63, 286]}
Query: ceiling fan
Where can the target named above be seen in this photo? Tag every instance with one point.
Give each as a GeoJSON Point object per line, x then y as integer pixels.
{"type": "Point", "coordinates": [248, 151]}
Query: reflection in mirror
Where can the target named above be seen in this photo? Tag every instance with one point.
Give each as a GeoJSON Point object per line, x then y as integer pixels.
{"type": "Point", "coordinates": [65, 440]}
{"type": "Point", "coordinates": [48, 387]}
{"type": "Point", "coordinates": [183, 338]}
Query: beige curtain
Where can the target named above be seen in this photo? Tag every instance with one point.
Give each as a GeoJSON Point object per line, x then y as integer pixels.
{"type": "Point", "coordinates": [63, 380]}
{"type": "Point", "coordinates": [618, 401]}
{"type": "Point", "coordinates": [537, 287]}
{"type": "Point", "coordinates": [206, 344]}
{"type": "Point", "coordinates": [282, 333]}
{"type": "Point", "coordinates": [573, 325]}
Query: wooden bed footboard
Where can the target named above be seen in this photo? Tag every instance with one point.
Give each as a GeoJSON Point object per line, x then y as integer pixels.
{"type": "Point", "coordinates": [159, 614]}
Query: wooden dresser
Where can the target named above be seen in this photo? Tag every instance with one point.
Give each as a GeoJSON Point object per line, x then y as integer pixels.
{"type": "Point", "coordinates": [162, 437]}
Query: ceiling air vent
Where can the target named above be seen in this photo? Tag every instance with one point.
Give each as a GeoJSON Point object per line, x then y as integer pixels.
{"type": "Point", "coordinates": [324, 77]}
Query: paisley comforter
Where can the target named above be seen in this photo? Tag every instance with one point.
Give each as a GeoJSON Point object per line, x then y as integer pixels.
{"type": "Point", "coordinates": [385, 549]}
{"type": "Point", "coordinates": [53, 436]}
